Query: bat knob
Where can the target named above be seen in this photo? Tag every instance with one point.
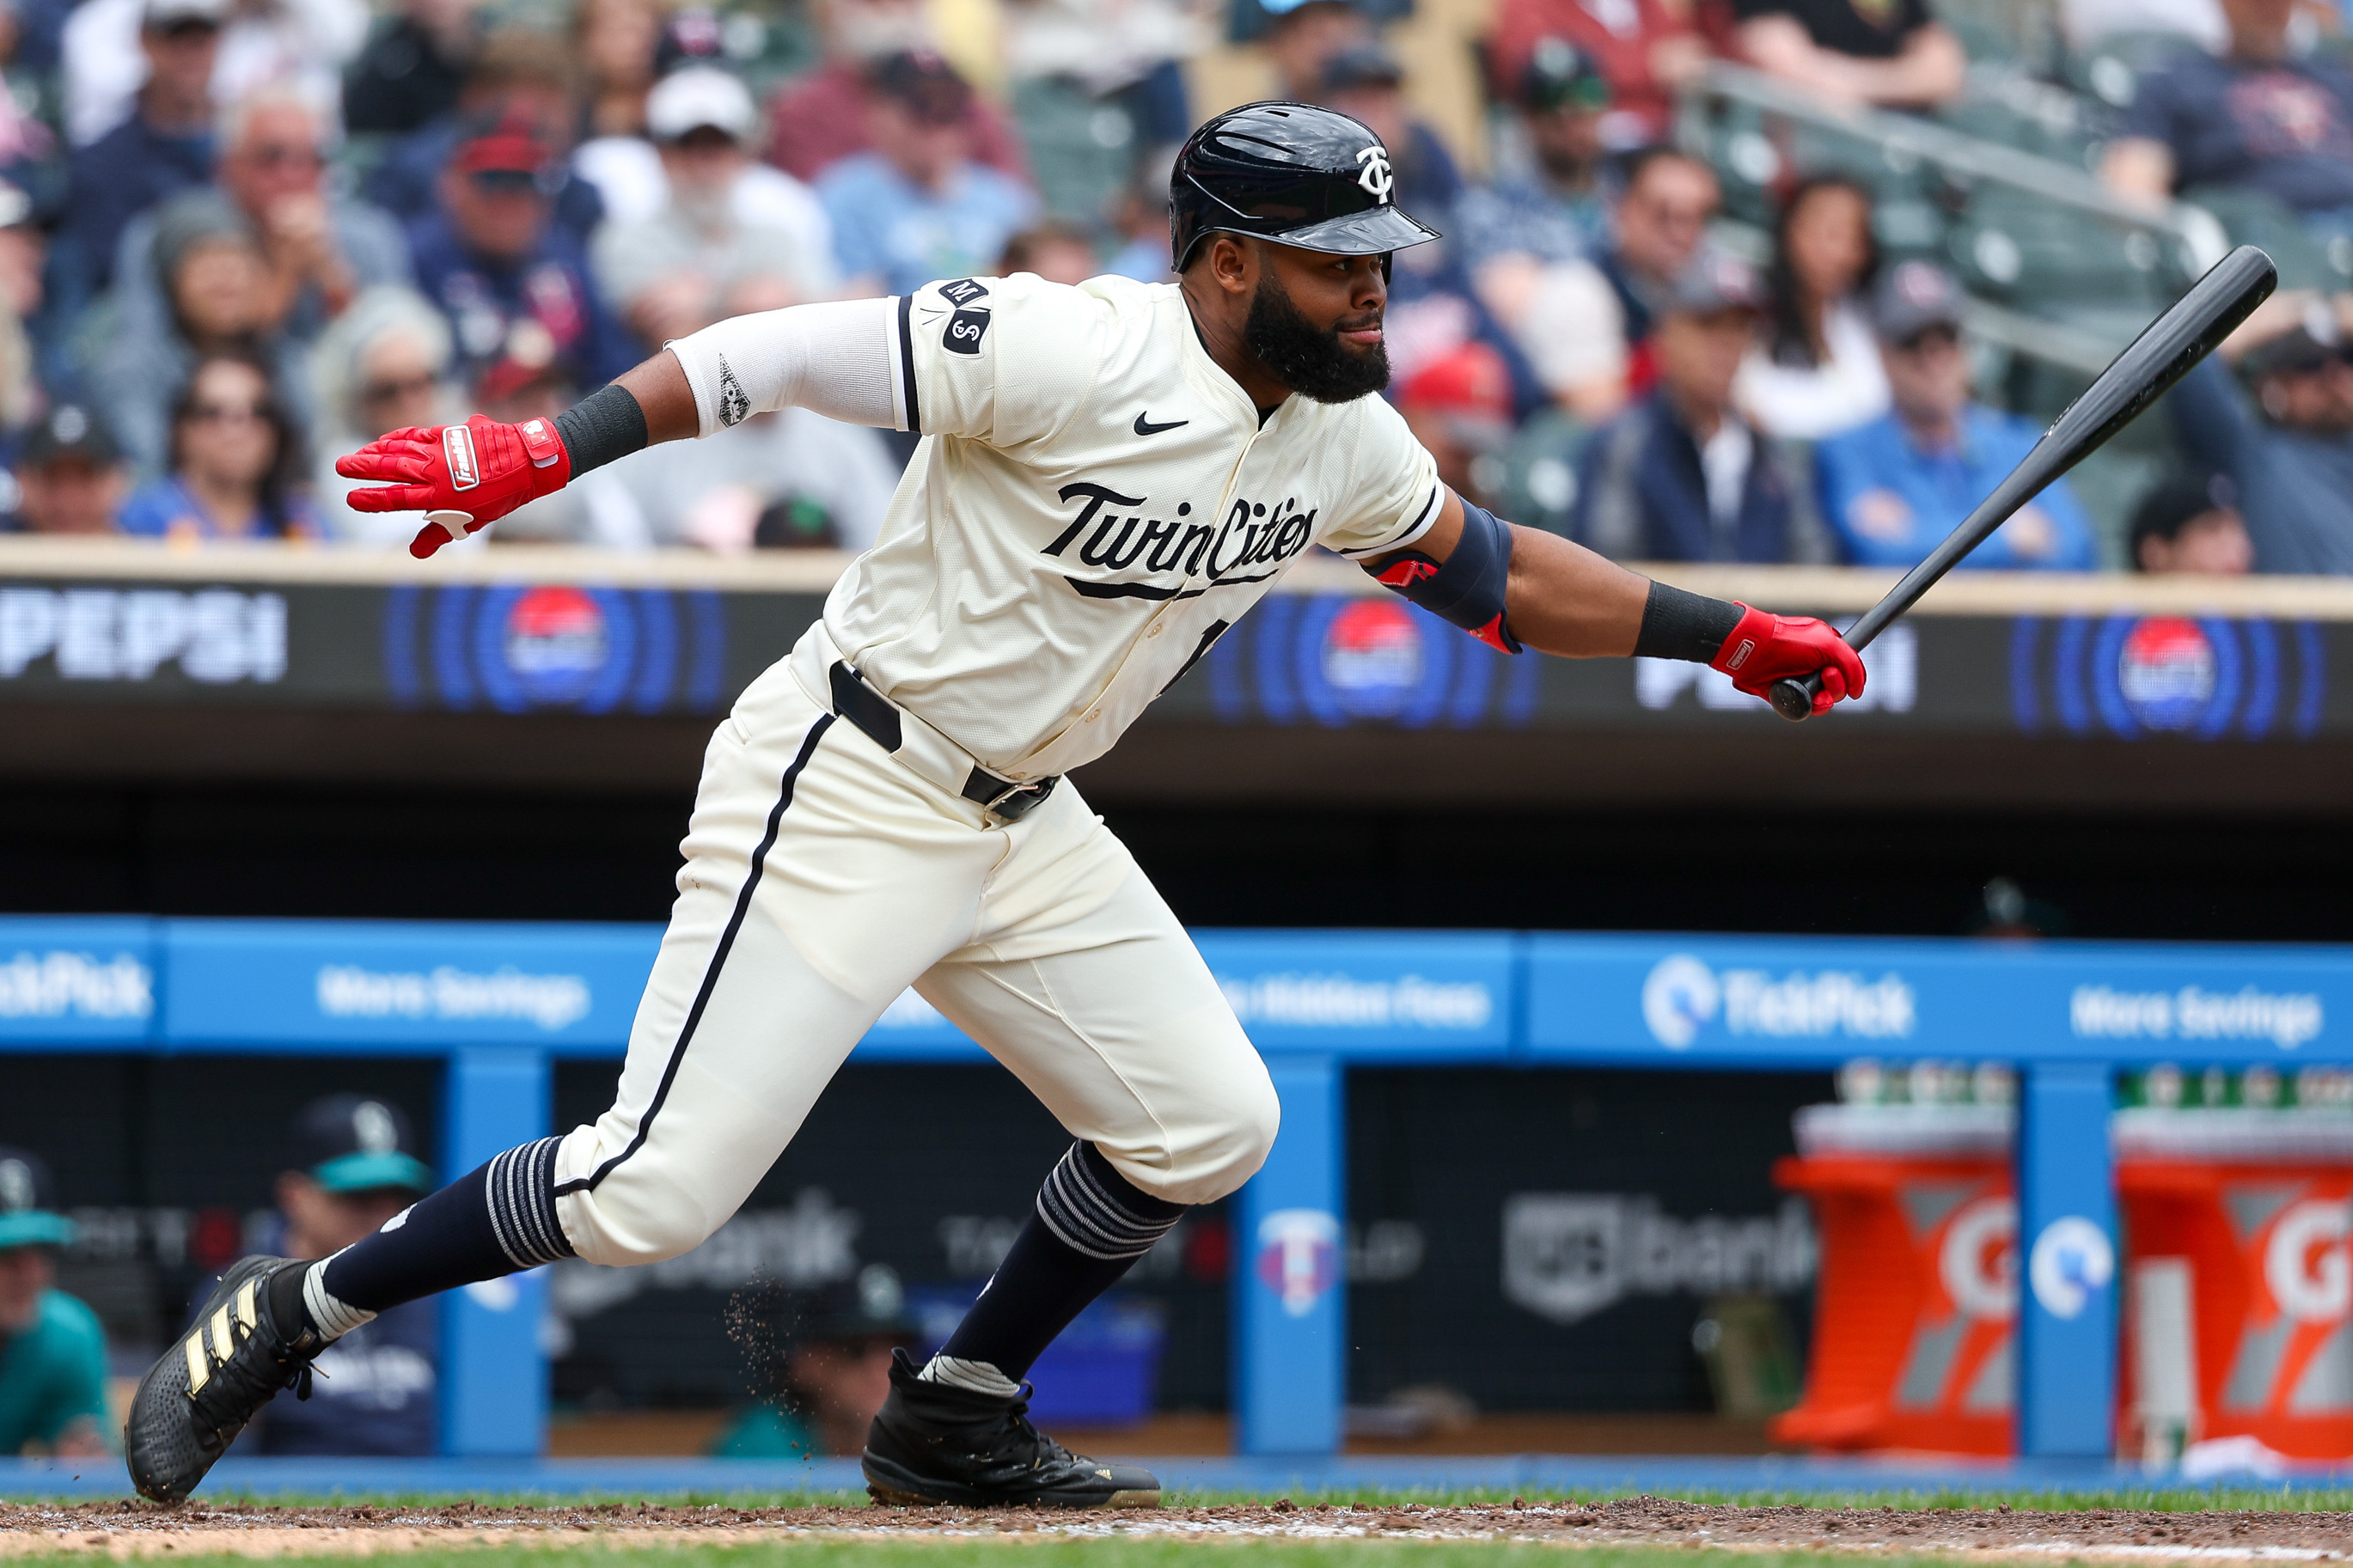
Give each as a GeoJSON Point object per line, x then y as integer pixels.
{"type": "Point", "coordinates": [1794, 700]}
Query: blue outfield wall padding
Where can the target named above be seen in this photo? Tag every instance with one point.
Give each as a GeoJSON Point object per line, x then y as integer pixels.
{"type": "Point", "coordinates": [1500, 1476]}
{"type": "Point", "coordinates": [1783, 1001]}
{"type": "Point", "coordinates": [71, 983]}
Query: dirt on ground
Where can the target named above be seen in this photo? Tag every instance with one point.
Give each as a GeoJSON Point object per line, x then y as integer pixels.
{"type": "Point", "coordinates": [128, 1529]}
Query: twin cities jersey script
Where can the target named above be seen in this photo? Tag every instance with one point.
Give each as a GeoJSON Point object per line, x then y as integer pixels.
{"type": "Point", "coordinates": [1094, 501]}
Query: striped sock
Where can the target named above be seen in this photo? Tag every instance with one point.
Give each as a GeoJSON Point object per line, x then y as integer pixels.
{"type": "Point", "coordinates": [497, 1219]}
{"type": "Point", "coordinates": [1090, 1226]}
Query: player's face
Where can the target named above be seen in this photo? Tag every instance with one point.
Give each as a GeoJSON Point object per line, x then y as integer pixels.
{"type": "Point", "coordinates": [1315, 321]}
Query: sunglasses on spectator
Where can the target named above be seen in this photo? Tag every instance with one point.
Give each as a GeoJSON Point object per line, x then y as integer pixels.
{"type": "Point", "coordinates": [188, 29]}
{"type": "Point", "coordinates": [385, 391]}
{"type": "Point", "coordinates": [226, 412]}
{"type": "Point", "coordinates": [284, 155]}
{"type": "Point", "coordinates": [1927, 336]}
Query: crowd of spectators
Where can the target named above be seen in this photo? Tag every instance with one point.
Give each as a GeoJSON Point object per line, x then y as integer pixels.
{"type": "Point", "coordinates": [238, 237]}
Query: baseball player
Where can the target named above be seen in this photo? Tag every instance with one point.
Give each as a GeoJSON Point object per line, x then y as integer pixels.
{"type": "Point", "coordinates": [1110, 475]}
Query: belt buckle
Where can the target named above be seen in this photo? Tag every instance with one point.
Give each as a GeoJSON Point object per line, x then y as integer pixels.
{"type": "Point", "coordinates": [1019, 800]}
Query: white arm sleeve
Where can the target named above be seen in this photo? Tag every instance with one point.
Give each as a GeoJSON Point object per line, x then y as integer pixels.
{"type": "Point", "coordinates": [837, 359]}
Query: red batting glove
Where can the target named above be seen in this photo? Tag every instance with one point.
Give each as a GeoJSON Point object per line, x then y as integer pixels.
{"type": "Point", "coordinates": [1764, 648]}
{"type": "Point", "coordinates": [462, 476]}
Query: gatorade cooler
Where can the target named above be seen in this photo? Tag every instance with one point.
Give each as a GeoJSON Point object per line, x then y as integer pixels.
{"type": "Point", "coordinates": [2241, 1292]}
{"type": "Point", "coordinates": [1915, 1306]}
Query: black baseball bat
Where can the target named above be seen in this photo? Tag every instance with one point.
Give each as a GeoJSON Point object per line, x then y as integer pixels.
{"type": "Point", "coordinates": [2164, 352]}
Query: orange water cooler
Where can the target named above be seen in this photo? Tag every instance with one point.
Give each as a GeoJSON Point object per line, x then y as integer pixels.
{"type": "Point", "coordinates": [1917, 1301]}
{"type": "Point", "coordinates": [2239, 1320]}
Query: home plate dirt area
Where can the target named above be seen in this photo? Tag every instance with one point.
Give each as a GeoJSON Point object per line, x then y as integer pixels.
{"type": "Point", "coordinates": [1629, 1529]}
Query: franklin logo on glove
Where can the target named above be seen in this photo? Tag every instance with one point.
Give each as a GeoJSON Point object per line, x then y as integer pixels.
{"type": "Point", "coordinates": [458, 443]}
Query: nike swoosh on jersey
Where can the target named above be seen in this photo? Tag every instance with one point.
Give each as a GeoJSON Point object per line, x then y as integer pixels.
{"type": "Point", "coordinates": [1145, 429]}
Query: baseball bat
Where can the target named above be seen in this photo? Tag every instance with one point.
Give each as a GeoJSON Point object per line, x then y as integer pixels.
{"type": "Point", "coordinates": [2164, 352]}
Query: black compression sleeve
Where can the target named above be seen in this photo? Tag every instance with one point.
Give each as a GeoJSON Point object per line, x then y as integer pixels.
{"type": "Point", "coordinates": [1691, 626]}
{"type": "Point", "coordinates": [603, 425]}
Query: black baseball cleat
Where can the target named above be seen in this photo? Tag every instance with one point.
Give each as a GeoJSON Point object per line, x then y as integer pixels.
{"type": "Point", "coordinates": [935, 1444]}
{"type": "Point", "coordinates": [194, 1401]}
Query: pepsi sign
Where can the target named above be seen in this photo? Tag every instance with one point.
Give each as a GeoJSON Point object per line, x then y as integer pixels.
{"type": "Point", "coordinates": [2204, 678]}
{"type": "Point", "coordinates": [1340, 659]}
{"type": "Point", "coordinates": [520, 648]}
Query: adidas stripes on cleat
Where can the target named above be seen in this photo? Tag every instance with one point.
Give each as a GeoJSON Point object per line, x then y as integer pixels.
{"type": "Point", "coordinates": [194, 1401]}
{"type": "Point", "coordinates": [933, 1444]}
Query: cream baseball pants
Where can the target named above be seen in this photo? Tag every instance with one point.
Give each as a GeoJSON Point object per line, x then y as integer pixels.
{"type": "Point", "coordinates": [823, 878]}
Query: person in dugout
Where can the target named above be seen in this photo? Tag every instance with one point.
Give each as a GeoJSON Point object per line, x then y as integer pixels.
{"type": "Point", "coordinates": [52, 1351]}
{"type": "Point", "coordinates": [824, 1357]}
{"type": "Point", "coordinates": [355, 1167]}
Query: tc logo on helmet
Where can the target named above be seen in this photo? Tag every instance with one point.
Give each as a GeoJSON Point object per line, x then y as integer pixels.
{"type": "Point", "coordinates": [1377, 178]}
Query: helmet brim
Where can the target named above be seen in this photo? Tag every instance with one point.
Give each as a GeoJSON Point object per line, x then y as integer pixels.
{"type": "Point", "coordinates": [1373, 232]}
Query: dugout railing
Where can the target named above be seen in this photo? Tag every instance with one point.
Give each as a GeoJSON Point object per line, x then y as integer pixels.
{"type": "Point", "coordinates": [499, 1004]}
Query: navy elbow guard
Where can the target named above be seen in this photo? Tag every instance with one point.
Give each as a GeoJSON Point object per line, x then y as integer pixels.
{"type": "Point", "coordinates": [1466, 587]}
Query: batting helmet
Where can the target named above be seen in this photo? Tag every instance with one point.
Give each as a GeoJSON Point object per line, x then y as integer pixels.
{"type": "Point", "coordinates": [1291, 172]}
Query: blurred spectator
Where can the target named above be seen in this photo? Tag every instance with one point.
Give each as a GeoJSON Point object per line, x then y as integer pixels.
{"type": "Point", "coordinates": [631, 174]}
{"type": "Point", "coordinates": [1526, 236]}
{"type": "Point", "coordinates": [826, 1356]}
{"type": "Point", "coordinates": [1890, 53]}
{"type": "Point", "coordinates": [2291, 456]}
{"type": "Point", "coordinates": [1644, 49]}
{"type": "Point", "coordinates": [820, 119]}
{"type": "Point", "coordinates": [518, 76]}
{"type": "Point", "coordinates": [1143, 224]}
{"type": "Point", "coordinates": [1669, 200]}
{"type": "Point", "coordinates": [68, 479]}
{"type": "Point", "coordinates": [721, 223]}
{"type": "Point", "coordinates": [1895, 487]}
{"type": "Point", "coordinates": [216, 286]}
{"type": "Point", "coordinates": [492, 257]}
{"type": "Point", "coordinates": [355, 1167]}
{"type": "Point", "coordinates": [383, 366]}
{"type": "Point", "coordinates": [1057, 251]}
{"type": "Point", "coordinates": [1300, 38]}
{"type": "Point", "coordinates": [2257, 118]}
{"type": "Point", "coordinates": [235, 461]}
{"type": "Point", "coordinates": [1121, 55]}
{"type": "Point", "coordinates": [1368, 85]}
{"type": "Point", "coordinates": [780, 480]}
{"type": "Point", "coordinates": [320, 250]}
{"type": "Point", "coordinates": [412, 67]}
{"type": "Point", "coordinates": [23, 254]}
{"type": "Point", "coordinates": [164, 147]}
{"type": "Point", "coordinates": [1458, 406]}
{"type": "Point", "coordinates": [1817, 369]}
{"type": "Point", "coordinates": [616, 42]}
{"type": "Point", "coordinates": [2085, 23]}
{"type": "Point", "coordinates": [2191, 523]}
{"type": "Point", "coordinates": [52, 1351]}
{"type": "Point", "coordinates": [919, 207]}
{"type": "Point", "coordinates": [1679, 475]}
{"type": "Point", "coordinates": [1554, 208]}
{"type": "Point", "coordinates": [301, 44]}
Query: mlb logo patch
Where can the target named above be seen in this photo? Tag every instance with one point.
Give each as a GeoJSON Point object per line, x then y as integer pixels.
{"type": "Point", "coordinates": [458, 445]}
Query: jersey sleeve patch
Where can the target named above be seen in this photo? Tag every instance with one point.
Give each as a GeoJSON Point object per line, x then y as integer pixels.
{"type": "Point", "coordinates": [964, 332]}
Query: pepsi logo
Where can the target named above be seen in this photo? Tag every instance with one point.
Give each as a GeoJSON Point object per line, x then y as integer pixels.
{"type": "Point", "coordinates": [1373, 658]}
{"type": "Point", "coordinates": [556, 642]}
{"type": "Point", "coordinates": [2166, 671]}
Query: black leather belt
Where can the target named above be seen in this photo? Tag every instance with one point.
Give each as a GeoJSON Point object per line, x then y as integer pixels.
{"type": "Point", "coordinates": [878, 720]}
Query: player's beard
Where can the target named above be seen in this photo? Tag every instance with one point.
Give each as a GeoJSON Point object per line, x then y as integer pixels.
{"type": "Point", "coordinates": [1310, 359]}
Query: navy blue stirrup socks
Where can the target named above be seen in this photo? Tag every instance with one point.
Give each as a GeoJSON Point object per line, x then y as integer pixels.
{"type": "Point", "coordinates": [499, 1219]}
{"type": "Point", "coordinates": [1090, 1226]}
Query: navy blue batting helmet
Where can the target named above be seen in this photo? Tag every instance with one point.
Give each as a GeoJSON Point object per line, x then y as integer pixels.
{"type": "Point", "coordinates": [1290, 171]}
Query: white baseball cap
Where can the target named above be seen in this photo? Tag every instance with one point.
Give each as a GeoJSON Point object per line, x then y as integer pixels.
{"type": "Point", "coordinates": [167, 13]}
{"type": "Point", "coordinates": [698, 96]}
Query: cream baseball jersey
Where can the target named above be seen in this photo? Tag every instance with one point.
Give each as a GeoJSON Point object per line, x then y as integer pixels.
{"type": "Point", "coordinates": [1093, 503]}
